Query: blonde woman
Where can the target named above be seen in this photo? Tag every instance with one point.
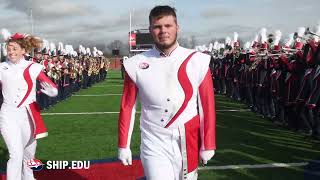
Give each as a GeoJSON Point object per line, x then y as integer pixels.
{"type": "Point", "coordinates": [20, 120]}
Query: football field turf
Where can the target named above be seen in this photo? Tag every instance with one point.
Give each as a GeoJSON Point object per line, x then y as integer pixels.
{"type": "Point", "coordinates": [84, 127]}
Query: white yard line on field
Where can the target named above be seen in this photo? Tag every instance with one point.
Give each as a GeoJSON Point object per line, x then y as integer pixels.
{"type": "Point", "coordinates": [97, 95]}
{"type": "Point", "coordinates": [255, 166]}
{"type": "Point", "coordinates": [111, 85]}
{"type": "Point", "coordinates": [117, 112]}
{"type": "Point", "coordinates": [233, 110]}
{"type": "Point", "coordinates": [113, 94]}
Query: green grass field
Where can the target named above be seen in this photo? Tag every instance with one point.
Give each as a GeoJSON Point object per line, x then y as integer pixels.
{"type": "Point", "coordinates": [243, 138]}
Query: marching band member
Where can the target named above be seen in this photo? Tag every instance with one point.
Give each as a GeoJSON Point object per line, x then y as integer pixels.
{"type": "Point", "coordinates": [177, 104]}
{"type": "Point", "coordinates": [20, 121]}
{"type": "Point", "coordinates": [37, 56]}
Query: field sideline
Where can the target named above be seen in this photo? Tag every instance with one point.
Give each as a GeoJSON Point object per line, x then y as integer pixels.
{"type": "Point", "coordinates": [84, 127]}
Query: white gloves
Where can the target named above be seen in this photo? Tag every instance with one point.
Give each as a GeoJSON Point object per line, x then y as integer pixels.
{"type": "Point", "coordinates": [125, 156]}
{"type": "Point", "coordinates": [48, 89]}
{"type": "Point", "coordinates": [206, 155]}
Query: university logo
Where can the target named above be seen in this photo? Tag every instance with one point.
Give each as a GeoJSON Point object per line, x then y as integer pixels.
{"type": "Point", "coordinates": [144, 65]}
{"type": "Point", "coordinates": [35, 164]}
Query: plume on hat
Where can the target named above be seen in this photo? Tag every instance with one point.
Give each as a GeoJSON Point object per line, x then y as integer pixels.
{"type": "Point", "coordinates": [247, 46]}
{"type": "Point", "coordinates": [53, 49]}
{"type": "Point", "coordinates": [256, 38]}
{"type": "Point", "coordinates": [69, 49]}
{"type": "Point", "coordinates": [263, 35]}
{"type": "Point", "coordinates": [88, 51]}
{"type": "Point", "coordinates": [301, 31]}
{"type": "Point", "coordinates": [100, 53]}
{"type": "Point", "coordinates": [277, 38]}
{"type": "Point", "coordinates": [52, 46]}
{"type": "Point", "coordinates": [222, 46]}
{"type": "Point", "coordinates": [82, 50]}
{"type": "Point", "coordinates": [60, 46]}
{"type": "Point", "coordinates": [74, 54]}
{"type": "Point", "coordinates": [94, 52]}
{"type": "Point", "coordinates": [215, 45]}
{"type": "Point", "coordinates": [228, 40]}
{"type": "Point", "coordinates": [5, 34]}
{"type": "Point", "coordinates": [210, 47]}
{"type": "Point", "coordinates": [317, 31]}
{"type": "Point", "coordinates": [235, 36]}
{"type": "Point", "coordinates": [289, 40]}
{"type": "Point", "coordinates": [45, 44]}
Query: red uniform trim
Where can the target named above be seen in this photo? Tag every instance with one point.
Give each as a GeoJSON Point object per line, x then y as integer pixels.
{"type": "Point", "coordinates": [27, 77]}
{"type": "Point", "coordinates": [128, 100]}
{"type": "Point", "coordinates": [42, 77]}
{"type": "Point", "coordinates": [40, 129]}
{"type": "Point", "coordinates": [186, 86]}
{"type": "Point", "coordinates": [192, 133]}
{"type": "Point", "coordinates": [206, 94]}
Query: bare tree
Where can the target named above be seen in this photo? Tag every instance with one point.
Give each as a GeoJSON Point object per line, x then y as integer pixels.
{"type": "Point", "coordinates": [184, 42]}
{"type": "Point", "coordinates": [193, 41]}
{"type": "Point", "coordinates": [117, 45]}
{"type": "Point", "coordinates": [188, 42]}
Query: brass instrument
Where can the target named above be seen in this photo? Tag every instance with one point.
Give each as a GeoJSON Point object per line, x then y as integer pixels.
{"type": "Point", "coordinates": [255, 64]}
{"type": "Point", "coordinates": [101, 64]}
{"type": "Point", "coordinates": [308, 31]}
{"type": "Point", "coordinates": [73, 72]}
{"type": "Point", "coordinates": [290, 50]}
{"type": "Point", "coordinates": [107, 65]}
{"type": "Point", "coordinates": [56, 72]}
{"type": "Point", "coordinates": [80, 70]}
{"type": "Point", "coordinates": [97, 69]}
{"type": "Point", "coordinates": [90, 70]}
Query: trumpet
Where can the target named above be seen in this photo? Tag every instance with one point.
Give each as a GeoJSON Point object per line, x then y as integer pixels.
{"type": "Point", "coordinates": [308, 31]}
{"type": "Point", "coordinates": [275, 55]}
{"type": "Point", "coordinates": [259, 55]}
{"type": "Point", "coordinates": [270, 55]}
{"type": "Point", "coordinates": [90, 70]}
{"type": "Point", "coordinates": [255, 64]}
{"type": "Point", "coordinates": [73, 75]}
{"type": "Point", "coordinates": [306, 38]}
{"type": "Point", "coordinates": [290, 50]}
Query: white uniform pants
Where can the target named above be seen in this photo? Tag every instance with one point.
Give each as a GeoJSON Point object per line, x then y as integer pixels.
{"type": "Point", "coordinates": [161, 156]}
{"type": "Point", "coordinates": [16, 130]}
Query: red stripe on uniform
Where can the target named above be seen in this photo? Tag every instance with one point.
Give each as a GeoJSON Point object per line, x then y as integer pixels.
{"type": "Point", "coordinates": [186, 86]}
{"type": "Point", "coordinates": [27, 77]}
{"type": "Point", "coordinates": [192, 142]}
{"type": "Point", "coordinates": [39, 126]}
{"type": "Point", "coordinates": [206, 94]}
{"type": "Point", "coordinates": [128, 100]}
{"type": "Point", "coordinates": [44, 78]}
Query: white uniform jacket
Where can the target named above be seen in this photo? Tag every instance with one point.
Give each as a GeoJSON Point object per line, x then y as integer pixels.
{"type": "Point", "coordinates": [175, 92]}
{"type": "Point", "coordinates": [18, 82]}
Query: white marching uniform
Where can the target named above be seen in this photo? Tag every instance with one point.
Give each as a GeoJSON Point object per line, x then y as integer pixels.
{"type": "Point", "coordinates": [177, 111]}
{"type": "Point", "coordinates": [20, 120]}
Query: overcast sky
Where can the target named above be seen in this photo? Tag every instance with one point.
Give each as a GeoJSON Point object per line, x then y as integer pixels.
{"type": "Point", "coordinates": [102, 21]}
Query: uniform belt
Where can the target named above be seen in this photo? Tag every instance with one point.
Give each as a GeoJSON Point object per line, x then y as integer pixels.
{"type": "Point", "coordinates": [171, 133]}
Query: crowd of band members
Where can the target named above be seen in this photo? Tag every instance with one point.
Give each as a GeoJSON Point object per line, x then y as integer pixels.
{"type": "Point", "coordinates": [280, 81]}
{"type": "Point", "coordinates": [69, 73]}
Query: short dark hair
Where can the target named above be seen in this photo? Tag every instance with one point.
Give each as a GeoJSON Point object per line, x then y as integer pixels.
{"type": "Point", "coordinates": [160, 11]}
